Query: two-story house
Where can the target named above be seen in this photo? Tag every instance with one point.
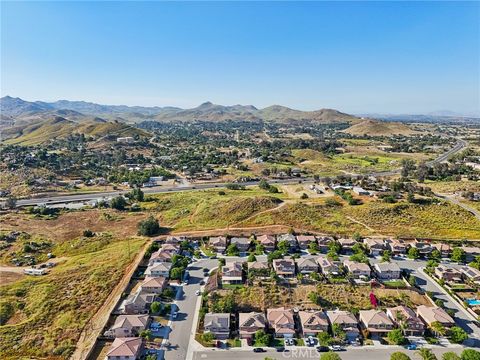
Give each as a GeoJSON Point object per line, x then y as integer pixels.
{"type": "Point", "coordinates": [376, 322]}
{"type": "Point", "coordinates": [346, 321]}
{"type": "Point", "coordinates": [125, 348]}
{"type": "Point", "coordinates": [242, 243]}
{"type": "Point", "coordinates": [357, 270]}
{"type": "Point", "coordinates": [281, 321]}
{"type": "Point", "coordinates": [313, 322]}
{"type": "Point", "coordinates": [218, 324]}
{"type": "Point", "coordinates": [284, 267]}
{"type": "Point", "coordinates": [387, 271]}
{"type": "Point", "coordinates": [249, 323]}
{"type": "Point", "coordinates": [232, 273]}
{"type": "Point", "coordinates": [306, 265]}
{"type": "Point", "coordinates": [305, 240]}
{"type": "Point", "coordinates": [405, 319]}
{"type": "Point", "coordinates": [267, 241]}
{"type": "Point", "coordinates": [218, 243]}
{"type": "Point", "coordinates": [128, 326]}
{"type": "Point", "coordinates": [327, 266]}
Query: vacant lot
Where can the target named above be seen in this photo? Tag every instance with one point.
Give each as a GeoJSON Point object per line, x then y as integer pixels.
{"type": "Point", "coordinates": [44, 316]}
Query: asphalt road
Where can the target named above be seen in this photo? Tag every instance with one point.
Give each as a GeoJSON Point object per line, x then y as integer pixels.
{"type": "Point", "coordinates": [157, 190]}
{"type": "Point", "coordinates": [181, 327]}
{"type": "Point", "coordinates": [311, 354]}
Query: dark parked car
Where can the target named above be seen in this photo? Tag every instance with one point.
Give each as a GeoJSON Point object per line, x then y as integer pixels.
{"type": "Point", "coordinates": [323, 349]}
{"type": "Point", "coordinates": [259, 350]}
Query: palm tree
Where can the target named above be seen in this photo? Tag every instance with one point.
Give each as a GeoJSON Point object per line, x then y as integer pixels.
{"type": "Point", "coordinates": [438, 328]}
{"type": "Point", "coordinates": [400, 318]}
{"type": "Point", "coordinates": [426, 354]}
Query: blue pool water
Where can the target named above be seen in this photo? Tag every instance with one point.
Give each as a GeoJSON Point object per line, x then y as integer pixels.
{"type": "Point", "coordinates": [473, 302]}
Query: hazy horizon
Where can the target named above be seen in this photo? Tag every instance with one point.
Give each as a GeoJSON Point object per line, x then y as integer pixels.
{"type": "Point", "coordinates": [368, 57]}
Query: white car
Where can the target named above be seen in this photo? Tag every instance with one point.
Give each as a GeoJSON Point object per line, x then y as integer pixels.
{"type": "Point", "coordinates": [174, 315]}
{"type": "Point", "coordinates": [197, 292]}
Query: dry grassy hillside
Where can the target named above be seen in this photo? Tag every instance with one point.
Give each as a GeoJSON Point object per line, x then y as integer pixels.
{"type": "Point", "coordinates": [379, 128]}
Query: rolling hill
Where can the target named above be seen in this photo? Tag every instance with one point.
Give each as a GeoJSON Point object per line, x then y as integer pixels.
{"type": "Point", "coordinates": [79, 111]}
{"type": "Point", "coordinates": [379, 128]}
{"type": "Point", "coordinates": [43, 131]}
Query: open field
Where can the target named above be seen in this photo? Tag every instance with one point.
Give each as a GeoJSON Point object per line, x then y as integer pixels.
{"type": "Point", "coordinates": [453, 186]}
{"type": "Point", "coordinates": [45, 315]}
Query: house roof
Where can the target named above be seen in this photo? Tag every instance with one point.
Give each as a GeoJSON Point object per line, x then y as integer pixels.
{"type": "Point", "coordinates": [470, 272]}
{"type": "Point", "coordinates": [258, 265]}
{"type": "Point", "coordinates": [341, 317]}
{"type": "Point", "coordinates": [432, 314]}
{"type": "Point", "coordinates": [356, 266]}
{"type": "Point", "coordinates": [324, 239]}
{"type": "Point", "coordinates": [154, 281]}
{"type": "Point", "coordinates": [305, 238]}
{"type": "Point", "coordinates": [323, 261]}
{"type": "Point", "coordinates": [161, 266]}
{"type": "Point", "coordinates": [218, 240]}
{"type": "Point", "coordinates": [251, 319]}
{"type": "Point", "coordinates": [302, 262]}
{"type": "Point", "coordinates": [232, 266]}
{"type": "Point", "coordinates": [280, 316]}
{"type": "Point", "coordinates": [266, 239]}
{"type": "Point", "coordinates": [374, 242]}
{"type": "Point", "coordinates": [140, 298]}
{"type": "Point", "coordinates": [406, 313]}
{"type": "Point", "coordinates": [374, 317]}
{"type": "Point", "coordinates": [347, 242]}
{"type": "Point", "coordinates": [218, 320]}
{"type": "Point", "coordinates": [169, 248]}
{"type": "Point", "coordinates": [125, 347]}
{"type": "Point", "coordinates": [313, 318]}
{"type": "Point", "coordinates": [130, 321]}
{"type": "Point", "coordinates": [287, 237]}
{"type": "Point", "coordinates": [387, 266]}
{"type": "Point", "coordinates": [284, 265]}
{"type": "Point", "coordinates": [240, 240]}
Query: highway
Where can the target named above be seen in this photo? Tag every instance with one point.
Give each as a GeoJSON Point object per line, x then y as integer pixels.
{"type": "Point", "coordinates": [68, 198]}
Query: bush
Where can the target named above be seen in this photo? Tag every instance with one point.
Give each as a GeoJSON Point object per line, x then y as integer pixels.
{"type": "Point", "coordinates": [148, 227]}
{"type": "Point", "coordinates": [470, 354]}
{"type": "Point", "coordinates": [450, 356]}
{"type": "Point", "coordinates": [118, 203]}
{"type": "Point", "coordinates": [457, 335]}
{"type": "Point", "coordinates": [330, 356]}
{"type": "Point", "coordinates": [396, 337]}
{"type": "Point", "coordinates": [399, 356]}
{"type": "Point", "coordinates": [304, 196]}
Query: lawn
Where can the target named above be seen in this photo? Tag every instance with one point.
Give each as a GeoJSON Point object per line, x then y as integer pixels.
{"type": "Point", "coordinates": [395, 283]}
{"type": "Point", "coordinates": [51, 311]}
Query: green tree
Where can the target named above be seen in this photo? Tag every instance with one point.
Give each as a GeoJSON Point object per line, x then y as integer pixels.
{"type": "Point", "coordinates": [397, 355]}
{"type": "Point", "coordinates": [251, 258]}
{"type": "Point", "coordinates": [458, 254]}
{"type": "Point", "coordinates": [304, 196]}
{"type": "Point", "coordinates": [426, 354]}
{"type": "Point", "coordinates": [176, 273]}
{"type": "Point", "coordinates": [259, 249]}
{"type": "Point", "coordinates": [413, 253]}
{"type": "Point", "coordinates": [470, 354]}
{"type": "Point", "coordinates": [283, 246]}
{"type": "Point", "coordinates": [435, 255]}
{"type": "Point", "coordinates": [146, 334]}
{"type": "Point", "coordinates": [457, 335]}
{"type": "Point", "coordinates": [232, 250]}
{"type": "Point", "coordinates": [324, 338]}
{"type": "Point", "coordinates": [136, 194]}
{"type": "Point", "coordinates": [155, 307]}
{"type": "Point", "coordinates": [450, 356]}
{"type": "Point", "coordinates": [118, 203]}
{"type": "Point", "coordinates": [437, 328]}
{"type": "Point", "coordinates": [313, 248]}
{"type": "Point", "coordinates": [262, 338]}
{"type": "Point", "coordinates": [208, 337]}
{"type": "Point", "coordinates": [148, 227]}
{"type": "Point", "coordinates": [396, 337]}
{"type": "Point", "coordinates": [330, 356]}
{"type": "Point", "coordinates": [386, 256]}
{"type": "Point", "coordinates": [264, 185]}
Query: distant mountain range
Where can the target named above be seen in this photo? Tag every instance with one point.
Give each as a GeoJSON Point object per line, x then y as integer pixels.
{"type": "Point", "coordinates": [21, 111]}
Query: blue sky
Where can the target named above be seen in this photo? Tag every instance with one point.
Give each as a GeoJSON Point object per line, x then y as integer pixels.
{"type": "Point", "coordinates": [396, 57]}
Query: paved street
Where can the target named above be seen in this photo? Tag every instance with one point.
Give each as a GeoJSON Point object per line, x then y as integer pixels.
{"type": "Point", "coordinates": [179, 336]}
{"type": "Point", "coordinates": [308, 353]}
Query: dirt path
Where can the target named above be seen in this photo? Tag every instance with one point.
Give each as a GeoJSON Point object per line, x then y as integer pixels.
{"type": "Point", "coordinates": [92, 329]}
{"type": "Point", "coordinates": [282, 204]}
{"type": "Point", "coordinates": [361, 223]}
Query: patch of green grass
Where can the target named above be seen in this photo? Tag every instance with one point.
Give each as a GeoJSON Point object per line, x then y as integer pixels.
{"type": "Point", "coordinates": [395, 283]}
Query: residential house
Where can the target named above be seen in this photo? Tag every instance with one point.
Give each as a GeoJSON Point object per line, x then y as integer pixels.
{"type": "Point", "coordinates": [346, 321]}
{"type": "Point", "coordinates": [306, 265]}
{"type": "Point", "coordinates": [424, 248]}
{"type": "Point", "coordinates": [358, 270]}
{"type": "Point", "coordinates": [376, 246]}
{"type": "Point", "coordinates": [445, 249]}
{"type": "Point", "coordinates": [471, 253]}
{"type": "Point", "coordinates": [290, 239]}
{"type": "Point", "coordinates": [267, 241]}
{"type": "Point", "coordinates": [284, 267]}
{"type": "Point", "coordinates": [218, 324]}
{"type": "Point", "coordinates": [471, 274]}
{"type": "Point", "coordinates": [448, 274]}
{"type": "Point", "coordinates": [218, 243]}
{"type": "Point", "coordinates": [313, 322]}
{"type": "Point", "coordinates": [281, 321]}
{"type": "Point", "coordinates": [161, 269]}
{"type": "Point", "coordinates": [125, 348]}
{"type": "Point", "coordinates": [376, 322]}
{"type": "Point", "coordinates": [153, 285]}
{"type": "Point", "coordinates": [128, 326]}
{"type": "Point", "coordinates": [387, 271]}
{"type": "Point", "coordinates": [242, 243]}
{"type": "Point", "coordinates": [170, 248]}
{"type": "Point", "coordinates": [232, 273]}
{"type": "Point", "coordinates": [347, 245]}
{"type": "Point", "coordinates": [249, 323]}
{"type": "Point", "coordinates": [323, 242]}
{"type": "Point", "coordinates": [138, 303]}
{"type": "Point", "coordinates": [161, 256]}
{"type": "Point", "coordinates": [175, 240]}
{"type": "Point", "coordinates": [397, 247]}
{"type": "Point", "coordinates": [430, 315]}
{"type": "Point", "coordinates": [327, 266]}
{"type": "Point", "coordinates": [305, 240]}
{"type": "Point", "coordinates": [405, 318]}
{"type": "Point", "coordinates": [258, 269]}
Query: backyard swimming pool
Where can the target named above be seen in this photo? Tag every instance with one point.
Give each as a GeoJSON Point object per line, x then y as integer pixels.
{"type": "Point", "coordinates": [473, 302]}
